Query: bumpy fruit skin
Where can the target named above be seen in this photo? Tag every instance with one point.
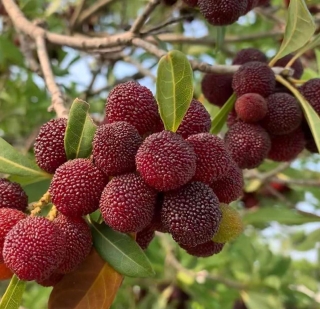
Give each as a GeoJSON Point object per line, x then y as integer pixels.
{"type": "Point", "coordinates": [217, 88]}
{"type": "Point", "coordinates": [287, 147]}
{"type": "Point", "coordinates": [52, 280]}
{"type": "Point", "coordinates": [144, 238]}
{"type": "Point", "coordinates": [231, 225]}
{"type": "Point", "coordinates": [5, 272]}
{"type": "Point", "coordinates": [232, 118]}
{"type": "Point", "coordinates": [229, 187]}
{"type": "Point", "coordinates": [311, 91]}
{"type": "Point", "coordinates": [156, 222]}
{"type": "Point", "coordinates": [296, 66]}
{"type": "Point", "coordinates": [133, 103]}
{"type": "Point", "coordinates": [166, 161]}
{"type": "Point", "coordinates": [115, 146]}
{"type": "Point", "coordinates": [76, 187]}
{"type": "Point", "coordinates": [206, 249]}
{"type": "Point", "coordinates": [127, 203]}
{"type": "Point", "coordinates": [8, 219]}
{"type": "Point", "coordinates": [249, 144]}
{"type": "Point", "coordinates": [248, 55]}
{"type": "Point", "coordinates": [284, 114]}
{"type": "Point", "coordinates": [191, 3]}
{"type": "Point", "coordinates": [222, 12]}
{"type": "Point", "coordinates": [251, 107]}
{"type": "Point", "coordinates": [196, 120]}
{"type": "Point", "coordinates": [12, 195]}
{"type": "Point", "coordinates": [78, 242]}
{"type": "Point", "coordinates": [254, 77]}
{"type": "Point", "coordinates": [49, 146]}
{"type": "Point", "coordinates": [34, 248]}
{"type": "Point", "coordinates": [191, 214]}
{"type": "Point", "coordinates": [213, 159]}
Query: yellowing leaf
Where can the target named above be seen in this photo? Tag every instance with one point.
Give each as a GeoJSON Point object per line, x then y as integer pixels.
{"type": "Point", "coordinates": [93, 285]}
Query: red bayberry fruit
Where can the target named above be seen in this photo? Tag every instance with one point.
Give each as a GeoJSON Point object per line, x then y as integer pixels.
{"type": "Point", "coordinates": [133, 103]}
{"type": "Point", "coordinates": [296, 66]}
{"type": "Point", "coordinates": [206, 249]}
{"type": "Point", "coordinates": [311, 91]}
{"type": "Point", "coordinates": [127, 203]}
{"type": "Point", "coordinates": [191, 214]}
{"type": "Point", "coordinates": [254, 77]}
{"type": "Point", "coordinates": [115, 146]}
{"type": "Point", "coordinates": [144, 238]}
{"type": "Point", "coordinates": [228, 188]}
{"type": "Point", "coordinates": [34, 248]}
{"type": "Point", "coordinates": [249, 54]}
{"type": "Point", "coordinates": [284, 114]}
{"type": "Point", "coordinates": [248, 144]}
{"type": "Point", "coordinates": [196, 120]}
{"type": "Point", "coordinates": [12, 195]}
{"type": "Point", "coordinates": [78, 242]}
{"type": "Point", "coordinates": [52, 280]}
{"type": "Point", "coordinates": [251, 107]}
{"type": "Point", "coordinates": [166, 161]}
{"type": "Point", "coordinates": [8, 219]}
{"type": "Point", "coordinates": [76, 187]}
{"type": "Point", "coordinates": [49, 146]}
{"type": "Point", "coordinates": [217, 88]}
{"type": "Point", "coordinates": [213, 159]}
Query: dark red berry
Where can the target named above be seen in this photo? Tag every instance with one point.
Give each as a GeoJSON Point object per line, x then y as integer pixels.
{"type": "Point", "coordinates": [296, 66]}
{"type": "Point", "coordinates": [76, 187]}
{"type": "Point", "coordinates": [251, 107]}
{"type": "Point", "coordinates": [127, 203]}
{"type": "Point", "coordinates": [311, 91]}
{"type": "Point", "coordinates": [52, 280]}
{"type": "Point", "coordinates": [12, 195]}
{"type": "Point", "coordinates": [166, 161]}
{"type": "Point", "coordinates": [249, 54]}
{"type": "Point", "coordinates": [49, 146]}
{"type": "Point", "coordinates": [206, 249]}
{"type": "Point", "coordinates": [144, 238]}
{"type": "Point", "coordinates": [191, 214]}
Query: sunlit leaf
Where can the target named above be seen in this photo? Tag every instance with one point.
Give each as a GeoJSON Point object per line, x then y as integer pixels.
{"type": "Point", "coordinates": [174, 88]}
{"type": "Point", "coordinates": [93, 285]}
{"type": "Point", "coordinates": [254, 300]}
{"type": "Point", "coordinates": [13, 295]}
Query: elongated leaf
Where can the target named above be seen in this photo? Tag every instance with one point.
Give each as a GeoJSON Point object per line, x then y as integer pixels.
{"type": "Point", "coordinates": [93, 285]}
{"type": "Point", "coordinates": [254, 300]}
{"type": "Point", "coordinates": [281, 215]}
{"type": "Point", "coordinates": [299, 29]}
{"type": "Point", "coordinates": [14, 163]}
{"type": "Point", "coordinates": [309, 242]}
{"type": "Point", "coordinates": [80, 131]}
{"type": "Point", "coordinates": [13, 295]}
{"type": "Point", "coordinates": [220, 119]}
{"type": "Point", "coordinates": [174, 88]}
{"type": "Point", "coordinates": [120, 251]}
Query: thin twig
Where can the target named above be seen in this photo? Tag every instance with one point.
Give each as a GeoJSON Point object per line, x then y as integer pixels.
{"type": "Point", "coordinates": [75, 16]}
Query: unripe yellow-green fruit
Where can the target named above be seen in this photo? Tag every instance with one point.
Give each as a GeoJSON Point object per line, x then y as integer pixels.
{"type": "Point", "coordinates": [231, 225]}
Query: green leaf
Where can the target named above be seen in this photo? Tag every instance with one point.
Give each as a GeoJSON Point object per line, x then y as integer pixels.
{"type": "Point", "coordinates": [317, 51]}
{"type": "Point", "coordinates": [221, 33]}
{"type": "Point", "coordinates": [220, 119]}
{"type": "Point", "coordinates": [254, 300]}
{"type": "Point", "coordinates": [13, 295]}
{"type": "Point", "coordinates": [300, 28]}
{"type": "Point", "coordinates": [14, 163]}
{"type": "Point", "coordinates": [309, 242]}
{"type": "Point", "coordinates": [121, 251]}
{"type": "Point", "coordinates": [80, 131]}
{"type": "Point", "coordinates": [281, 215]}
{"type": "Point", "coordinates": [174, 88]}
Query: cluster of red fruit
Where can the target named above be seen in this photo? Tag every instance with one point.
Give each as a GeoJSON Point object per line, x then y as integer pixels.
{"type": "Point", "coordinates": [225, 12]}
{"type": "Point", "coordinates": [141, 177]}
{"type": "Point", "coordinates": [267, 120]}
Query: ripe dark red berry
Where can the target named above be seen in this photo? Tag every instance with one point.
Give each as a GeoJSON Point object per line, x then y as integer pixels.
{"type": "Point", "coordinates": [222, 12]}
{"type": "Point", "coordinates": [254, 77]}
{"type": "Point", "coordinates": [144, 238]}
{"type": "Point", "coordinates": [217, 88]}
{"type": "Point", "coordinates": [228, 188]}
{"type": "Point", "coordinates": [206, 249]}
{"type": "Point", "coordinates": [115, 146]}
{"type": "Point", "coordinates": [127, 203]}
{"type": "Point", "coordinates": [196, 120]}
{"type": "Point", "coordinates": [8, 219]}
{"type": "Point", "coordinates": [251, 107]}
{"type": "Point", "coordinates": [76, 187]}
{"type": "Point", "coordinates": [284, 114]}
{"type": "Point", "coordinates": [296, 66]}
{"type": "Point", "coordinates": [78, 242]}
{"type": "Point", "coordinates": [49, 146]}
{"type": "Point", "coordinates": [249, 54]}
{"type": "Point", "coordinates": [52, 280]}
{"type": "Point", "coordinates": [249, 144]}
{"type": "Point", "coordinates": [287, 147]}
{"type": "Point", "coordinates": [191, 214]}
{"type": "Point", "coordinates": [311, 91]}
{"type": "Point", "coordinates": [213, 159]}
{"type": "Point", "coordinates": [135, 104]}
{"type": "Point", "coordinates": [34, 248]}
{"type": "Point", "coordinates": [166, 161]}
{"type": "Point", "coordinates": [12, 195]}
